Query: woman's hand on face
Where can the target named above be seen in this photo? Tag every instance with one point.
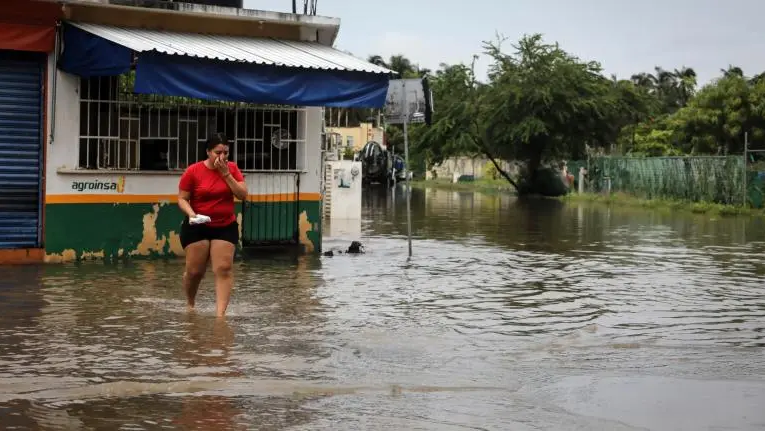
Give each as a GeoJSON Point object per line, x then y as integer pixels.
{"type": "Point", "coordinates": [222, 166]}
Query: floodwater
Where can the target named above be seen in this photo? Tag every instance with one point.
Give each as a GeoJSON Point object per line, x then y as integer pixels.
{"type": "Point", "coordinates": [510, 316]}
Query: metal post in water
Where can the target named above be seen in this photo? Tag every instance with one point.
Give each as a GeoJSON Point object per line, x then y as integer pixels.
{"type": "Point", "coordinates": [393, 161]}
{"type": "Point", "coordinates": [406, 169]}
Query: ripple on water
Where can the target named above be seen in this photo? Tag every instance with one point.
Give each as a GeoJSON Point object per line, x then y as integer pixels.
{"type": "Point", "coordinates": [498, 307]}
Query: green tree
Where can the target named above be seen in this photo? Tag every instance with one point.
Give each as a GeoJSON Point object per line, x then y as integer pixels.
{"type": "Point", "coordinates": [453, 133]}
{"type": "Point", "coordinates": [540, 104]}
{"type": "Point", "coordinates": [713, 122]}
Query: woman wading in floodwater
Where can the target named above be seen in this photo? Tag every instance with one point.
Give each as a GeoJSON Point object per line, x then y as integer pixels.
{"type": "Point", "coordinates": [210, 231]}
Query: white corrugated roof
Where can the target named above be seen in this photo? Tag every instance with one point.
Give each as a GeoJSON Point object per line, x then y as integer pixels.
{"type": "Point", "coordinates": [265, 51]}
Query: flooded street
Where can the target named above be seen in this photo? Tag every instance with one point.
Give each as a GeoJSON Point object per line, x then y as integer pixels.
{"type": "Point", "coordinates": [510, 316]}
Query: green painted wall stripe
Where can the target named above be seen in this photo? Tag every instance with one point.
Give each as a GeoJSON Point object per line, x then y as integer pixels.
{"type": "Point", "coordinates": [150, 230]}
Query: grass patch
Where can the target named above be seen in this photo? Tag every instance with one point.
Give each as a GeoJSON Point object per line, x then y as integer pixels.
{"type": "Point", "coordinates": [479, 185]}
{"type": "Point", "coordinates": [626, 200]}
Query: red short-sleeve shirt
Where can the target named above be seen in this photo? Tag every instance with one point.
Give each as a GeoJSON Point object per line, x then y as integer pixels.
{"type": "Point", "coordinates": [210, 195]}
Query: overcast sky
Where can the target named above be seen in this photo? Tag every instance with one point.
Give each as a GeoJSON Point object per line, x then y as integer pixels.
{"type": "Point", "coordinates": [625, 37]}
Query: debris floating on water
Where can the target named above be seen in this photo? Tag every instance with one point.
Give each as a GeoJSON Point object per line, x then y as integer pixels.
{"type": "Point", "coordinates": [356, 247]}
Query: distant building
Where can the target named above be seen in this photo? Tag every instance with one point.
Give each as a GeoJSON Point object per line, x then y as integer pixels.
{"type": "Point", "coordinates": [356, 137]}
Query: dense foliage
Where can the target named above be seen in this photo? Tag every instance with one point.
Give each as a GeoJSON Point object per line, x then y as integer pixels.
{"type": "Point", "coordinates": [541, 104]}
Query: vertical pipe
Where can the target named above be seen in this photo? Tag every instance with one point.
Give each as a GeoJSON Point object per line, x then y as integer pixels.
{"type": "Point", "coordinates": [56, 50]}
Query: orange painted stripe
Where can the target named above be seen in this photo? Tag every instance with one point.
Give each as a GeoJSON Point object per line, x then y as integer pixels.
{"type": "Point", "coordinates": [148, 199]}
{"type": "Point", "coordinates": [284, 197]}
{"type": "Point", "coordinates": [108, 199]}
{"type": "Point", "coordinates": [22, 256]}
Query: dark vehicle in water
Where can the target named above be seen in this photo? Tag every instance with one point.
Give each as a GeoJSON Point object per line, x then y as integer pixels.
{"type": "Point", "coordinates": [376, 164]}
{"type": "Point", "coordinates": [380, 166]}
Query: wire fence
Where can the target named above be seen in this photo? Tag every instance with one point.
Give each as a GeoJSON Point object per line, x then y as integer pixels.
{"type": "Point", "coordinates": [719, 179]}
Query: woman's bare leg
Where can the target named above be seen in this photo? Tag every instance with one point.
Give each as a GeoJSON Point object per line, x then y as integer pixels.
{"type": "Point", "coordinates": [222, 257]}
{"type": "Point", "coordinates": [197, 255]}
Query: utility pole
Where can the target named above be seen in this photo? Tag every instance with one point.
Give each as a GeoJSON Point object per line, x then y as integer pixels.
{"type": "Point", "coordinates": [309, 7]}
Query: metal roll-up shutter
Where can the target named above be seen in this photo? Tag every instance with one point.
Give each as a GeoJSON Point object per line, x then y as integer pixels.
{"type": "Point", "coordinates": [21, 78]}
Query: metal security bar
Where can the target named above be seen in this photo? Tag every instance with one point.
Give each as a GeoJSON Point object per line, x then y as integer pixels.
{"type": "Point", "coordinates": [272, 216]}
{"type": "Point", "coordinates": [120, 130]}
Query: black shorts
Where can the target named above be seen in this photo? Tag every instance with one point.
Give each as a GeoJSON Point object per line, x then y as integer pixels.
{"type": "Point", "coordinates": [199, 232]}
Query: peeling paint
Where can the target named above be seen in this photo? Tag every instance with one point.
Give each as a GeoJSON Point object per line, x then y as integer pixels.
{"type": "Point", "coordinates": [149, 241]}
{"type": "Point", "coordinates": [239, 222]}
{"type": "Point", "coordinates": [65, 256]}
{"type": "Point", "coordinates": [109, 231]}
{"type": "Point", "coordinates": [304, 226]}
{"type": "Point", "coordinates": [175, 244]}
{"type": "Point", "coordinates": [92, 255]}
{"type": "Point", "coordinates": [70, 255]}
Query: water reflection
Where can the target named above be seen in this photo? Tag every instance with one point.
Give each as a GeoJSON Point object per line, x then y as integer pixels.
{"type": "Point", "coordinates": [548, 224]}
{"type": "Point", "coordinates": [512, 314]}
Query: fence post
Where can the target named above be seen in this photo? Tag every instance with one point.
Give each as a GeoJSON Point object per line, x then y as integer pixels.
{"type": "Point", "coordinates": [745, 192]}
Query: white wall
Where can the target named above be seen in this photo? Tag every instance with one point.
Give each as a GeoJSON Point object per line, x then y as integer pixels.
{"type": "Point", "coordinates": [467, 166]}
{"type": "Point", "coordinates": [62, 155]}
{"type": "Point", "coordinates": [345, 201]}
{"type": "Point", "coordinates": [62, 149]}
{"type": "Point", "coordinates": [310, 182]}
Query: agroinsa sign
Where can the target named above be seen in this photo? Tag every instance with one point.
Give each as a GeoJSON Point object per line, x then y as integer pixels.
{"type": "Point", "coordinates": [100, 185]}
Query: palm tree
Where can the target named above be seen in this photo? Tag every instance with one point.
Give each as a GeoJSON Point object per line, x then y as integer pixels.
{"type": "Point", "coordinates": [732, 71]}
{"type": "Point", "coordinates": [378, 60]}
{"type": "Point", "coordinates": [645, 81]}
{"type": "Point", "coordinates": [685, 84]}
{"type": "Point", "coordinates": [401, 65]}
{"type": "Point", "coordinates": [674, 88]}
{"type": "Point", "coordinates": [757, 78]}
{"type": "Point", "coordinates": [350, 117]}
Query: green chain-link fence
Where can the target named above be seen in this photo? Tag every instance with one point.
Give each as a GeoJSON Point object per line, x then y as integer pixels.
{"type": "Point", "coordinates": [755, 181]}
{"type": "Point", "coordinates": [696, 179]}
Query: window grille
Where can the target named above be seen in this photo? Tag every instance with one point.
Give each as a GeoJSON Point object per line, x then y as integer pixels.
{"type": "Point", "coordinates": [120, 130]}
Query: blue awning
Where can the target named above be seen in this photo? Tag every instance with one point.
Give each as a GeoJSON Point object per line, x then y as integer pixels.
{"type": "Point", "coordinates": [213, 67]}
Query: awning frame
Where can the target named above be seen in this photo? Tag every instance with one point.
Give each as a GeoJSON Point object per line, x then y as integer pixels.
{"type": "Point", "coordinates": [270, 76]}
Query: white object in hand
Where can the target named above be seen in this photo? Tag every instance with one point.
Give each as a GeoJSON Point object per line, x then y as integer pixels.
{"type": "Point", "coordinates": [199, 219]}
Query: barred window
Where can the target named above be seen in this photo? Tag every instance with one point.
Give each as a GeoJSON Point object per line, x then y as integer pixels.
{"type": "Point", "coordinates": [120, 130]}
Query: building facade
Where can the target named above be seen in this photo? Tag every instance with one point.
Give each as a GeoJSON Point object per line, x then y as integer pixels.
{"type": "Point", "coordinates": [105, 105]}
{"type": "Point", "coordinates": [356, 137]}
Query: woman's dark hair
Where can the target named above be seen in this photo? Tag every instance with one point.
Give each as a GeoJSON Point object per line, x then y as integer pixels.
{"type": "Point", "coordinates": [216, 139]}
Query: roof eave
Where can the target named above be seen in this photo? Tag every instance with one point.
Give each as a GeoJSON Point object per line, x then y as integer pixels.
{"type": "Point", "coordinates": [290, 54]}
{"type": "Point", "coordinates": [114, 13]}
